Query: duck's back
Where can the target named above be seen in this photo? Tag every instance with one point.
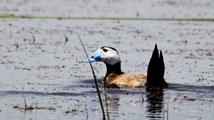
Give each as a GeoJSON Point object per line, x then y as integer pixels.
{"type": "Point", "coordinates": [126, 80]}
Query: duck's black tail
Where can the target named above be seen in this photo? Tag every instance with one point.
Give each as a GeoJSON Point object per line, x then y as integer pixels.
{"type": "Point", "coordinates": [156, 69]}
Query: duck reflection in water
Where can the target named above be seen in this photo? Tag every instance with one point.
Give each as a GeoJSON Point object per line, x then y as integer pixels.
{"type": "Point", "coordinates": [155, 104]}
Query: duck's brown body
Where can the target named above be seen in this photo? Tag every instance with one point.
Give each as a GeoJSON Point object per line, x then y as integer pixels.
{"type": "Point", "coordinates": [126, 80]}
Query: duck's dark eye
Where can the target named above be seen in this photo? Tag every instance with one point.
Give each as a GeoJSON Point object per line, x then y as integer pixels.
{"type": "Point", "coordinates": [105, 50]}
{"type": "Point", "coordinates": [92, 56]}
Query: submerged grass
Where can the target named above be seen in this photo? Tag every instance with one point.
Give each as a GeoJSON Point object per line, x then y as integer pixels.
{"type": "Point", "coordinates": [95, 80]}
{"type": "Point", "coordinates": [108, 18]}
{"type": "Point", "coordinates": [166, 111]}
{"type": "Point", "coordinates": [106, 102]}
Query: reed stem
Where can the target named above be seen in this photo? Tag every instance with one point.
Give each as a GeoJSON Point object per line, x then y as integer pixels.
{"type": "Point", "coordinates": [95, 80]}
{"type": "Point", "coordinates": [106, 102]}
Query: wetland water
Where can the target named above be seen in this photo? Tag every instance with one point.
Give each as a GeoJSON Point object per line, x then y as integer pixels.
{"type": "Point", "coordinates": [49, 74]}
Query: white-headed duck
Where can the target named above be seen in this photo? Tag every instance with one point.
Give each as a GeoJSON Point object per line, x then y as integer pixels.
{"type": "Point", "coordinates": [115, 77]}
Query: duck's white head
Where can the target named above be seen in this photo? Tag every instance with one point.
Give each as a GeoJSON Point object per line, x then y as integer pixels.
{"type": "Point", "coordinates": [106, 54]}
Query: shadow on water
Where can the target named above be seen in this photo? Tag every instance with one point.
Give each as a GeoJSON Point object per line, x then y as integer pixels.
{"type": "Point", "coordinates": [191, 88]}
{"type": "Point", "coordinates": [88, 84]}
{"type": "Point", "coordinates": [172, 86]}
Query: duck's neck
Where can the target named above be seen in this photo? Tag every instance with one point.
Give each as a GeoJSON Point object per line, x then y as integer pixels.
{"type": "Point", "coordinates": [115, 69]}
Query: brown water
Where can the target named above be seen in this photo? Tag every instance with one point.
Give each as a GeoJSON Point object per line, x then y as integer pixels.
{"type": "Point", "coordinates": [49, 74]}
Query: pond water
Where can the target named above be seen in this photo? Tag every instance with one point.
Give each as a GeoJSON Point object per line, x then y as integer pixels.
{"type": "Point", "coordinates": [39, 66]}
